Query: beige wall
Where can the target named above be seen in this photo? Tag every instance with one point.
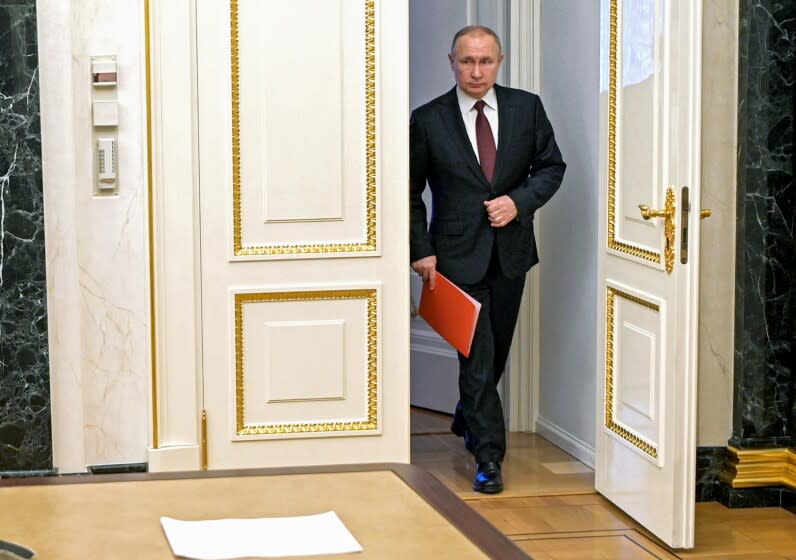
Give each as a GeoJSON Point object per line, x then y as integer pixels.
{"type": "Point", "coordinates": [96, 245]}
{"type": "Point", "coordinates": [719, 139]}
{"type": "Point", "coordinates": [567, 228]}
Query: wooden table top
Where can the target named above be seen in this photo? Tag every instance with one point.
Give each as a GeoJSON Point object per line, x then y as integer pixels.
{"type": "Point", "coordinates": [393, 510]}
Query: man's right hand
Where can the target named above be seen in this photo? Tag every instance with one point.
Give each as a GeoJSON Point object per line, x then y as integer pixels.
{"type": "Point", "coordinates": [427, 269]}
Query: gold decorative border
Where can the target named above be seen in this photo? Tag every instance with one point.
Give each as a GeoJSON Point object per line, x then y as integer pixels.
{"type": "Point", "coordinates": [242, 429]}
{"type": "Point", "coordinates": [753, 468]}
{"type": "Point", "coordinates": [627, 248]}
{"type": "Point", "coordinates": [610, 423]}
{"type": "Point", "coordinates": [669, 230]}
{"type": "Point", "coordinates": [153, 355]}
{"type": "Point", "coordinates": [369, 245]}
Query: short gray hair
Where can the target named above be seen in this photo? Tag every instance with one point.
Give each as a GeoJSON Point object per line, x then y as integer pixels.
{"type": "Point", "coordinates": [475, 30]}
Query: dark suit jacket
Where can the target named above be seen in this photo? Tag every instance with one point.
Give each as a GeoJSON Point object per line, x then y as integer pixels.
{"type": "Point", "coordinates": [529, 169]}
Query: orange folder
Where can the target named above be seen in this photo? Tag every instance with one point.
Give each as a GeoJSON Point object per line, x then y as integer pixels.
{"type": "Point", "coordinates": [450, 311]}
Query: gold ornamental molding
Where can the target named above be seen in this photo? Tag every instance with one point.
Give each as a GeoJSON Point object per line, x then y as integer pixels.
{"type": "Point", "coordinates": [754, 468]}
{"type": "Point", "coordinates": [668, 230]}
{"type": "Point", "coordinates": [153, 349]}
{"type": "Point", "coordinates": [610, 422]}
{"type": "Point", "coordinates": [369, 245]}
{"type": "Point", "coordinates": [368, 424]}
{"type": "Point", "coordinates": [613, 243]}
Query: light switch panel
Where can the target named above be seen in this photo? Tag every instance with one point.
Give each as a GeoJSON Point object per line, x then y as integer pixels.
{"type": "Point", "coordinates": [105, 113]}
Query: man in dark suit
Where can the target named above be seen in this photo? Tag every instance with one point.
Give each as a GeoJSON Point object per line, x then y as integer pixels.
{"type": "Point", "coordinates": [490, 159]}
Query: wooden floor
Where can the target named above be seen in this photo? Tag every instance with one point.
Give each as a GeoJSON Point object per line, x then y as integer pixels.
{"type": "Point", "coordinates": [550, 507]}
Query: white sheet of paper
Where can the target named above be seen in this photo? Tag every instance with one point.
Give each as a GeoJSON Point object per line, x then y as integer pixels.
{"type": "Point", "coordinates": [275, 537]}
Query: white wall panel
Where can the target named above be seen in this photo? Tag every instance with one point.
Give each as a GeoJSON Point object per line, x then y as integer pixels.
{"type": "Point", "coordinates": [570, 86]}
{"type": "Point", "coordinates": [431, 28]}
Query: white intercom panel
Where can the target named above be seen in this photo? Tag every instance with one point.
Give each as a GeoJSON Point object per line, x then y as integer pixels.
{"type": "Point", "coordinates": [106, 163]}
{"type": "Point", "coordinates": [105, 123]}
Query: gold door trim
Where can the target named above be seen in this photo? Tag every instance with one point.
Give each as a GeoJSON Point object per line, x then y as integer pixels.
{"type": "Point", "coordinates": [613, 243]}
{"type": "Point", "coordinates": [610, 422]}
{"type": "Point", "coordinates": [669, 230]}
{"type": "Point", "coordinates": [153, 354]}
{"type": "Point", "coordinates": [371, 423]}
{"type": "Point", "coordinates": [204, 440]}
{"type": "Point", "coordinates": [369, 245]}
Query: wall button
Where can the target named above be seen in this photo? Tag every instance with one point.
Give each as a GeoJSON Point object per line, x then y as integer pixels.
{"type": "Point", "coordinates": [105, 113]}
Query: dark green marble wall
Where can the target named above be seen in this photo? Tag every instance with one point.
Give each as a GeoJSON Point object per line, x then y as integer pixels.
{"type": "Point", "coordinates": [25, 435]}
{"type": "Point", "coordinates": [764, 408]}
{"type": "Point", "coordinates": [765, 297]}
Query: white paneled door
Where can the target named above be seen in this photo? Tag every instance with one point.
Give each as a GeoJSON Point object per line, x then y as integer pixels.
{"type": "Point", "coordinates": [302, 111]}
{"type": "Point", "coordinates": [646, 414]}
{"type": "Point", "coordinates": [302, 174]}
{"type": "Point", "coordinates": [283, 297]}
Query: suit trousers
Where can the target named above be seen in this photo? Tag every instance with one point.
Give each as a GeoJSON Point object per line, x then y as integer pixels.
{"type": "Point", "coordinates": [479, 411]}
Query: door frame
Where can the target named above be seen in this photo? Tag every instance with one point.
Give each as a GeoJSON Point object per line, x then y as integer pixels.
{"type": "Point", "coordinates": [178, 422]}
{"type": "Point", "coordinates": [175, 439]}
{"type": "Point", "coordinates": [519, 24]}
{"type": "Point", "coordinates": [175, 316]}
{"type": "Point", "coordinates": [522, 390]}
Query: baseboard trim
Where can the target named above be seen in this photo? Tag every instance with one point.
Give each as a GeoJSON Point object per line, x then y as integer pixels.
{"type": "Point", "coordinates": [758, 468]}
{"type": "Point", "coordinates": [174, 458]}
{"type": "Point", "coordinates": [709, 464]}
{"type": "Point", "coordinates": [756, 497]}
{"type": "Point", "coordinates": [118, 468]}
{"type": "Point", "coordinates": [429, 342]}
{"type": "Point", "coordinates": [576, 447]}
{"type": "Point", "coordinates": [24, 474]}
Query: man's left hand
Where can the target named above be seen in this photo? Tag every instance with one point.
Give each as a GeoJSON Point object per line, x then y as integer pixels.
{"type": "Point", "coordinates": [501, 210]}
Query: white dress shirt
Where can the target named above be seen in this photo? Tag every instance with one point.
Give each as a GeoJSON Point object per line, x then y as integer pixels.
{"type": "Point", "coordinates": [469, 113]}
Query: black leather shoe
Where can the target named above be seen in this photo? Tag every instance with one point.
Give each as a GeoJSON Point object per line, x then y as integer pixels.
{"type": "Point", "coordinates": [488, 478]}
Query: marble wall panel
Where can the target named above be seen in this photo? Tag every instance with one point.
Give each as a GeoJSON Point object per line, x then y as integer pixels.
{"type": "Point", "coordinates": [765, 387]}
{"type": "Point", "coordinates": [25, 436]}
{"type": "Point", "coordinates": [709, 463]}
{"type": "Point", "coordinates": [97, 244]}
{"type": "Point", "coordinates": [717, 233]}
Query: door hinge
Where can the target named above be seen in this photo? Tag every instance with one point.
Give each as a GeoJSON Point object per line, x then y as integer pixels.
{"type": "Point", "coordinates": [204, 440]}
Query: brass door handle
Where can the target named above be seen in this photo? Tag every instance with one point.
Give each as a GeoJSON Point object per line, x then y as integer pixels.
{"type": "Point", "coordinates": [646, 213]}
{"type": "Point", "coordinates": [705, 213]}
{"type": "Point", "coordinates": [668, 228]}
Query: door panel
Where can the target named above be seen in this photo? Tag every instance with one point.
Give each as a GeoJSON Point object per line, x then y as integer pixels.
{"type": "Point", "coordinates": [302, 180]}
{"type": "Point", "coordinates": [303, 128]}
{"type": "Point", "coordinates": [303, 363]}
{"type": "Point", "coordinates": [634, 328]}
{"type": "Point", "coordinates": [646, 440]}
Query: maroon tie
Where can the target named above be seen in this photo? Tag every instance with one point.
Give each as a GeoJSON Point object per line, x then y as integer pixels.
{"type": "Point", "coordinates": [485, 141]}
